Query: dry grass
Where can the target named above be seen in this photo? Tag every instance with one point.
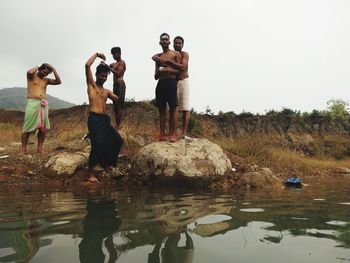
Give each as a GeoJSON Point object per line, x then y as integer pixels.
{"type": "Point", "coordinates": [10, 133]}
{"type": "Point", "coordinates": [264, 151]}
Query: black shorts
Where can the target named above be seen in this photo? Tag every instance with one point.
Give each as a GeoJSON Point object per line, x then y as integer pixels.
{"type": "Point", "coordinates": [119, 90]}
{"type": "Point", "coordinates": [166, 92]}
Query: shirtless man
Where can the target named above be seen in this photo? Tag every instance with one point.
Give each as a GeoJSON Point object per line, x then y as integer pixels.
{"type": "Point", "coordinates": [37, 111]}
{"type": "Point", "coordinates": [182, 84]}
{"type": "Point", "coordinates": [166, 87]}
{"type": "Point", "coordinates": [118, 69]}
{"type": "Point", "coordinates": [105, 140]}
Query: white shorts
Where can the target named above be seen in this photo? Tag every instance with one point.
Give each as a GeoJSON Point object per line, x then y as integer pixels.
{"type": "Point", "coordinates": [183, 103]}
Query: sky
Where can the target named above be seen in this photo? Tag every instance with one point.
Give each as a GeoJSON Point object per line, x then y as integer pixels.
{"type": "Point", "coordinates": [245, 55]}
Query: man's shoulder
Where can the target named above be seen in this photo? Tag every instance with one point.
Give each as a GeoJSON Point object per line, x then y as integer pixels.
{"type": "Point", "coordinates": [184, 53]}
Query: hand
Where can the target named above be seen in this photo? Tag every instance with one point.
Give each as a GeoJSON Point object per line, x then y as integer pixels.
{"type": "Point", "coordinates": [101, 56]}
{"type": "Point", "coordinates": [164, 60]}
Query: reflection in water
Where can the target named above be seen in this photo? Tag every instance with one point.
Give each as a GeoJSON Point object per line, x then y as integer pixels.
{"type": "Point", "coordinates": [100, 223]}
{"type": "Point", "coordinates": [164, 227]}
{"type": "Point", "coordinates": [172, 253]}
{"type": "Point", "coordinates": [22, 241]}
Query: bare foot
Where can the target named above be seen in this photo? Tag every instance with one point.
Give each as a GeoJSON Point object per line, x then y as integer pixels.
{"type": "Point", "coordinates": [162, 138]}
{"type": "Point", "coordinates": [180, 136]}
{"type": "Point", "coordinates": [173, 139]}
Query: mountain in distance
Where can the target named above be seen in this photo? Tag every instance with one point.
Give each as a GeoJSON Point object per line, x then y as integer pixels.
{"type": "Point", "coordinates": [16, 99]}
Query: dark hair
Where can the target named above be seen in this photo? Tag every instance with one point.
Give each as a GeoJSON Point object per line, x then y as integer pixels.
{"type": "Point", "coordinates": [164, 34]}
{"type": "Point", "coordinates": [45, 66]}
{"type": "Point", "coordinates": [116, 50]}
{"type": "Point", "coordinates": [102, 68]}
{"type": "Point", "coordinates": [181, 38]}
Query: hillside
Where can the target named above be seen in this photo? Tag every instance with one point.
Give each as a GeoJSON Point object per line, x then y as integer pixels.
{"type": "Point", "coordinates": [15, 99]}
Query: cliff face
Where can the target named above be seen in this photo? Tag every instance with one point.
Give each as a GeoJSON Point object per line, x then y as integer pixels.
{"type": "Point", "coordinates": [312, 135]}
{"type": "Point", "coordinates": [317, 137]}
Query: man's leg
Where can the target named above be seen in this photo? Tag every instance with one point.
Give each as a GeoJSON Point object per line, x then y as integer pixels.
{"type": "Point", "coordinates": [92, 176]}
{"type": "Point", "coordinates": [162, 121]}
{"type": "Point", "coordinates": [172, 123]}
{"type": "Point", "coordinates": [25, 137]}
{"type": "Point", "coordinates": [186, 122]}
{"type": "Point", "coordinates": [117, 114]}
{"type": "Point", "coordinates": [41, 138]}
{"type": "Point", "coordinates": [119, 90]}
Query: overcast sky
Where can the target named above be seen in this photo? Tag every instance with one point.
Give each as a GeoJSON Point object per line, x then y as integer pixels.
{"type": "Point", "coordinates": [252, 55]}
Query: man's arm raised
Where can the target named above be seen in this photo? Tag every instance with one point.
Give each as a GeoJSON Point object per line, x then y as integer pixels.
{"type": "Point", "coordinates": [57, 79]}
{"type": "Point", "coordinates": [31, 72]}
{"type": "Point", "coordinates": [119, 71]}
{"type": "Point", "coordinates": [91, 60]}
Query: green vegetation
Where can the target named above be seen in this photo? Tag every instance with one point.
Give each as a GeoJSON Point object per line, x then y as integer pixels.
{"type": "Point", "coordinates": [15, 99]}
{"type": "Point", "coordinates": [338, 109]}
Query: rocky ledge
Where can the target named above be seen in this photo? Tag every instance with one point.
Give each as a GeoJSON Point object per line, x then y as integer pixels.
{"type": "Point", "coordinates": [188, 162]}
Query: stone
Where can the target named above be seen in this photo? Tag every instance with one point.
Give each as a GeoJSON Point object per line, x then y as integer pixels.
{"type": "Point", "coordinates": [67, 163]}
{"type": "Point", "coordinates": [189, 158]}
{"type": "Point", "coordinates": [138, 140]}
{"type": "Point", "coordinates": [341, 170]}
{"type": "Point", "coordinates": [262, 178]}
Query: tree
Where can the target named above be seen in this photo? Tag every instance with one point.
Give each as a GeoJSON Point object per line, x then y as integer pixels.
{"type": "Point", "coordinates": [338, 109]}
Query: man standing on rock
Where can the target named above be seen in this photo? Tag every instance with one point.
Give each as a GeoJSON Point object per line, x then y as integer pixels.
{"type": "Point", "coordinates": [37, 111]}
{"type": "Point", "coordinates": [105, 140]}
{"type": "Point", "coordinates": [118, 69]}
{"type": "Point", "coordinates": [166, 90]}
{"type": "Point", "coordinates": [182, 84]}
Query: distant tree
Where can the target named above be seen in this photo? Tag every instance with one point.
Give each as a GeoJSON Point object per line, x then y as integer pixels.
{"type": "Point", "coordinates": [245, 114]}
{"type": "Point", "coordinates": [338, 109]}
{"type": "Point", "coordinates": [208, 111]}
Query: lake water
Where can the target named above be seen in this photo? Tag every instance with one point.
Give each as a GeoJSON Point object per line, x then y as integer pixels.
{"type": "Point", "coordinates": [311, 224]}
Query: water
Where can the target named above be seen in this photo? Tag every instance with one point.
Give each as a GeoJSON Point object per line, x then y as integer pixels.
{"type": "Point", "coordinates": [311, 224]}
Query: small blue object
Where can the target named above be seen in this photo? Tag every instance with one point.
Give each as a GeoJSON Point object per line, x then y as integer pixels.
{"type": "Point", "coordinates": [293, 181]}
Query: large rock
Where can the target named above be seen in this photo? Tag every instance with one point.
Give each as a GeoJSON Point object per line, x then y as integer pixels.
{"type": "Point", "coordinates": [67, 163]}
{"type": "Point", "coordinates": [262, 178]}
{"type": "Point", "coordinates": [341, 170]}
{"type": "Point", "coordinates": [188, 158]}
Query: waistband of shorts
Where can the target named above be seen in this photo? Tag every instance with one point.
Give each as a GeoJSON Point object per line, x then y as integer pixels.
{"type": "Point", "coordinates": [98, 114]}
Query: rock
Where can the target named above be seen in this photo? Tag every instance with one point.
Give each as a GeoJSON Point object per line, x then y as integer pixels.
{"type": "Point", "coordinates": [263, 178]}
{"type": "Point", "coordinates": [67, 163]}
{"type": "Point", "coordinates": [188, 158]}
{"type": "Point", "coordinates": [138, 140]}
{"type": "Point", "coordinates": [28, 158]}
{"type": "Point", "coordinates": [341, 170]}
{"type": "Point", "coordinates": [211, 229]}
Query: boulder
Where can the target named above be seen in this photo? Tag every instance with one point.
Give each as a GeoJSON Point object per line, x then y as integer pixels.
{"type": "Point", "coordinates": [262, 178]}
{"type": "Point", "coordinates": [341, 170]}
{"type": "Point", "coordinates": [67, 163]}
{"type": "Point", "coordinates": [189, 158]}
